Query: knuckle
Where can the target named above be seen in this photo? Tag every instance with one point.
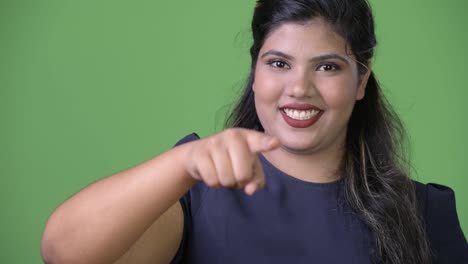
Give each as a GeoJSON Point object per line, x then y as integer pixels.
{"type": "Point", "coordinates": [213, 142]}
{"type": "Point", "coordinates": [198, 154]}
{"type": "Point", "coordinates": [228, 182]}
{"type": "Point", "coordinates": [232, 133]}
{"type": "Point", "coordinates": [214, 183]}
{"type": "Point", "coordinates": [244, 176]}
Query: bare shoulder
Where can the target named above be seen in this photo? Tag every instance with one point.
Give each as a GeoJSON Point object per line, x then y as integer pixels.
{"type": "Point", "coordinates": [160, 242]}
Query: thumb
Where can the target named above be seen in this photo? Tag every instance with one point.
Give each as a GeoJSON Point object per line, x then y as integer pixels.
{"type": "Point", "coordinates": [261, 142]}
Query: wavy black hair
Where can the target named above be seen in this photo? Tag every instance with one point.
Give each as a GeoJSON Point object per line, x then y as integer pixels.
{"type": "Point", "coordinates": [376, 183]}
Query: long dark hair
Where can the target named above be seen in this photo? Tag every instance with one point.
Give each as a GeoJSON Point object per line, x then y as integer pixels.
{"type": "Point", "coordinates": [376, 185]}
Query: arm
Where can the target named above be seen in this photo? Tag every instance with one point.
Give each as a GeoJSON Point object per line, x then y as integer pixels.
{"type": "Point", "coordinates": [101, 222]}
{"type": "Point", "coordinates": [134, 217]}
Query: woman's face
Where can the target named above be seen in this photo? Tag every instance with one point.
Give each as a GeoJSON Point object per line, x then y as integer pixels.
{"type": "Point", "coordinates": [305, 87]}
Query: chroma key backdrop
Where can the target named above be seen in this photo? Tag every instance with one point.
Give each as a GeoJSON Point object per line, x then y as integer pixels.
{"type": "Point", "coordinates": [92, 87]}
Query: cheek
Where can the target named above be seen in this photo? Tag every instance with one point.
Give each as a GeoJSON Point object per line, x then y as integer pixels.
{"type": "Point", "coordinates": [339, 93]}
{"type": "Point", "coordinates": [267, 89]}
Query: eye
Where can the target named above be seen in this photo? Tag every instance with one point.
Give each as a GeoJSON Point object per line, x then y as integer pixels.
{"type": "Point", "coordinates": [279, 64]}
{"type": "Point", "coordinates": [328, 67]}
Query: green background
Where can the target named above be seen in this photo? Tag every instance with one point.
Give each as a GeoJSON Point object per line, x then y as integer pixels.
{"type": "Point", "coordinates": [89, 88]}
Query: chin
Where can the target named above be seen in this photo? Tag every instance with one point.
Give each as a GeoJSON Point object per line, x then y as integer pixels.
{"type": "Point", "coordinates": [299, 146]}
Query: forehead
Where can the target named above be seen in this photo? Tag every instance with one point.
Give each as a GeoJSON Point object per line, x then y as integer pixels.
{"type": "Point", "coordinates": [310, 37]}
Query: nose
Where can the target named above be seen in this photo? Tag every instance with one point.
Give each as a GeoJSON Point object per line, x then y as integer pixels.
{"type": "Point", "coordinates": [301, 85]}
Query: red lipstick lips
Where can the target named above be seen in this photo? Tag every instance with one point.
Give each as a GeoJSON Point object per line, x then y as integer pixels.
{"type": "Point", "coordinates": [300, 123]}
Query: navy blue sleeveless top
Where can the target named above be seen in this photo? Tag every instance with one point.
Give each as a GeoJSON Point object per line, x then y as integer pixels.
{"type": "Point", "coordinates": [293, 221]}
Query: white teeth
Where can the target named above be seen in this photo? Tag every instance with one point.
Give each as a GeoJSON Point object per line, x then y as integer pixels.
{"type": "Point", "coordinates": [299, 114]}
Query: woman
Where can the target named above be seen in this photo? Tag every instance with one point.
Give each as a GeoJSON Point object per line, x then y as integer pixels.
{"type": "Point", "coordinates": [311, 171]}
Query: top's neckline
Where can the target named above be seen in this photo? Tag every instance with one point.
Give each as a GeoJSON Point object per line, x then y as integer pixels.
{"type": "Point", "coordinates": [268, 165]}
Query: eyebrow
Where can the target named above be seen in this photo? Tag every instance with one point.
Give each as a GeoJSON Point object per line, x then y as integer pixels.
{"type": "Point", "coordinates": [317, 58]}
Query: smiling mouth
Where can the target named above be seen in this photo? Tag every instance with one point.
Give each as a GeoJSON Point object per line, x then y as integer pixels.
{"type": "Point", "coordinates": [300, 114]}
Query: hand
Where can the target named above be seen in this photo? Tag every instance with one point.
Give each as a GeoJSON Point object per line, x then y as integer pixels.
{"type": "Point", "coordinates": [230, 159]}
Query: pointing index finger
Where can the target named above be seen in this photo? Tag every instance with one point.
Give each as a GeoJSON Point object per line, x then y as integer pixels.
{"type": "Point", "coordinates": [261, 142]}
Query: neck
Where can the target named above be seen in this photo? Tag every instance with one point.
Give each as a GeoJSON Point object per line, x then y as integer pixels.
{"type": "Point", "coordinates": [319, 167]}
